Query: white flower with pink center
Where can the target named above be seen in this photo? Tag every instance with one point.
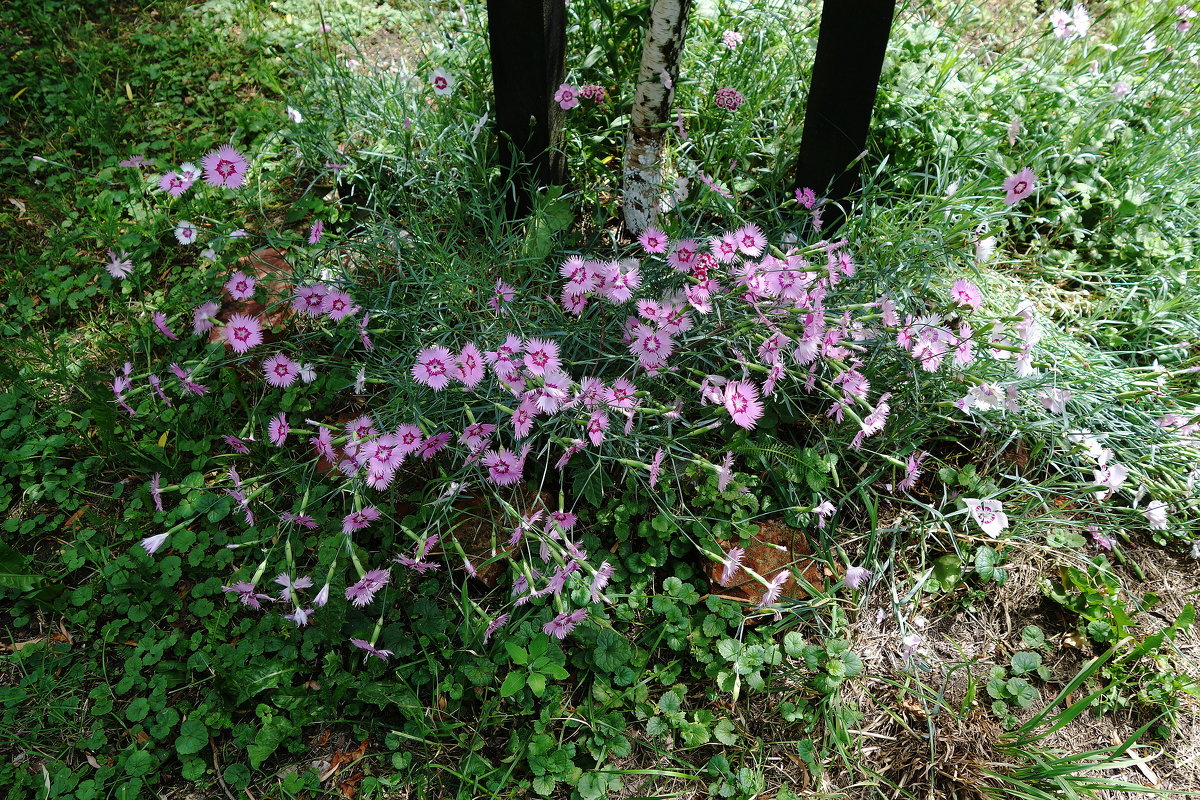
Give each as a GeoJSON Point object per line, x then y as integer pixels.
{"type": "Point", "coordinates": [989, 514]}
{"type": "Point", "coordinates": [442, 82]}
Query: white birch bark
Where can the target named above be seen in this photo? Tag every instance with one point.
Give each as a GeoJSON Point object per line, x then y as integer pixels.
{"type": "Point", "coordinates": [642, 173]}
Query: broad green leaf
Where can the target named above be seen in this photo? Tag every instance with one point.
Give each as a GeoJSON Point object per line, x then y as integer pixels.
{"type": "Point", "coordinates": [793, 644]}
{"type": "Point", "coordinates": [518, 654]}
{"type": "Point", "coordinates": [273, 732]}
{"type": "Point", "coordinates": [947, 572]}
{"type": "Point", "coordinates": [1022, 692]}
{"type": "Point", "coordinates": [138, 763]}
{"type": "Point", "coordinates": [137, 710]}
{"type": "Point", "coordinates": [193, 737]}
{"type": "Point", "coordinates": [1032, 636]}
{"type": "Point", "coordinates": [725, 733]}
{"type": "Point", "coordinates": [695, 734]}
{"type": "Point", "coordinates": [1024, 662]}
{"type": "Point", "coordinates": [15, 572]}
{"type": "Point", "coordinates": [514, 683]}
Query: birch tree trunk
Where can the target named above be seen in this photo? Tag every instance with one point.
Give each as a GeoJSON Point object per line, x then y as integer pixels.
{"type": "Point", "coordinates": [642, 173]}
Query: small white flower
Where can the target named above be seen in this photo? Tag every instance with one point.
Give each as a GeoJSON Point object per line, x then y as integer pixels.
{"type": "Point", "coordinates": [1111, 477]}
{"type": "Point", "coordinates": [307, 373]}
{"type": "Point", "coordinates": [154, 543]}
{"type": "Point", "coordinates": [442, 82]}
{"type": "Point", "coordinates": [989, 514]}
{"type": "Point", "coordinates": [185, 232]}
{"type": "Point", "coordinates": [1156, 514]}
{"type": "Point", "coordinates": [856, 577]}
{"type": "Point", "coordinates": [294, 115]}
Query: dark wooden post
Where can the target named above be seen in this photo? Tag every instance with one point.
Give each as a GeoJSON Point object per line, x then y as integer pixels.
{"type": "Point", "coordinates": [850, 49]}
{"type": "Point", "coordinates": [527, 40]}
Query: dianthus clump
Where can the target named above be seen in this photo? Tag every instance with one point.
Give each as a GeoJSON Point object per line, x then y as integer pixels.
{"type": "Point", "coordinates": [728, 99]}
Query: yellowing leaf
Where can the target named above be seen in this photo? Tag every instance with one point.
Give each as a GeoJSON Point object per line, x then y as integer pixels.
{"type": "Point", "coordinates": [162, 440]}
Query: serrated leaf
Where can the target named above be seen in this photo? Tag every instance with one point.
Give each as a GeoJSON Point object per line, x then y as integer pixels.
{"type": "Point", "coordinates": [694, 734]}
{"type": "Point", "coordinates": [725, 732]}
{"type": "Point", "coordinates": [139, 763]}
{"type": "Point", "coordinates": [793, 644]}
{"type": "Point", "coordinates": [729, 648]}
{"type": "Point", "coordinates": [1022, 692]}
{"type": "Point", "coordinates": [947, 572]}
{"type": "Point", "coordinates": [137, 710]}
{"type": "Point", "coordinates": [1024, 662]}
{"type": "Point", "coordinates": [1065, 540]}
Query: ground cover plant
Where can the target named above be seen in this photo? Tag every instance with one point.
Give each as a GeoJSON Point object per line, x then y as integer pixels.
{"type": "Point", "coordinates": [323, 478]}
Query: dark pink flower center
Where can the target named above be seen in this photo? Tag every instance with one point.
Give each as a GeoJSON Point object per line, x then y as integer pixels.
{"type": "Point", "coordinates": [541, 358]}
{"type": "Point", "coordinates": [226, 169]}
{"type": "Point", "coordinates": [241, 334]}
{"type": "Point", "coordinates": [439, 82]}
{"type": "Point", "coordinates": [435, 367]}
{"type": "Point", "coordinates": [1021, 187]}
{"type": "Point", "coordinates": [282, 369]}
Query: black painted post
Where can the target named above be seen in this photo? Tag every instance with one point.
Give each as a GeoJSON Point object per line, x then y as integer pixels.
{"type": "Point", "coordinates": [527, 40]}
{"type": "Point", "coordinates": [850, 49]}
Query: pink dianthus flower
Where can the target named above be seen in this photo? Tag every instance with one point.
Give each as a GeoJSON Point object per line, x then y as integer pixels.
{"type": "Point", "coordinates": [240, 286]}
{"type": "Point", "coordinates": [243, 332]}
{"type": "Point", "coordinates": [225, 166]}
{"type": "Point", "coordinates": [119, 266]}
{"type": "Point", "coordinates": [279, 370]}
{"type": "Point", "coordinates": [728, 98]}
{"type": "Point", "coordinates": [567, 96]}
{"type": "Point", "coordinates": [742, 403]}
{"type": "Point", "coordinates": [1019, 186]}
{"type": "Point", "coordinates": [653, 240]}
{"type": "Point", "coordinates": [434, 367]}
{"type": "Point", "coordinates": [278, 429]}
